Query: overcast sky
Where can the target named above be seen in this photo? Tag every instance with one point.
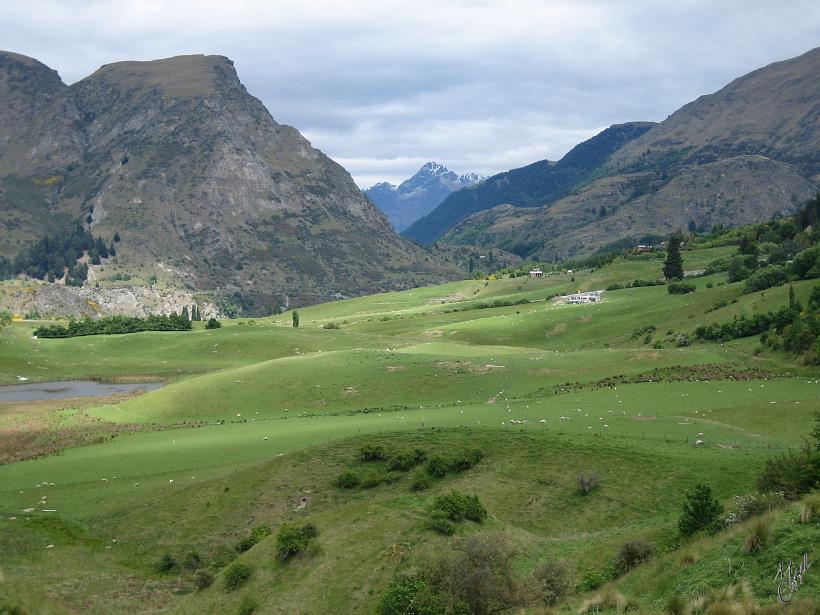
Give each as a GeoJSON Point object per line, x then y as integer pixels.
{"type": "Point", "coordinates": [481, 86]}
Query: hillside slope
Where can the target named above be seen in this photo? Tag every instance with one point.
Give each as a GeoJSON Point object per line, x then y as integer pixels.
{"type": "Point", "coordinates": [197, 178]}
{"type": "Point", "coordinates": [734, 157]}
{"type": "Point", "coordinates": [528, 186]}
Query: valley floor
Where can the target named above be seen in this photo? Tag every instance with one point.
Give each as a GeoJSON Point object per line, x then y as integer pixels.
{"type": "Point", "coordinates": [257, 419]}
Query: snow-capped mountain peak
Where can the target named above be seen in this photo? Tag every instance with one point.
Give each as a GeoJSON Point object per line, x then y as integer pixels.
{"type": "Point", "coordinates": [419, 195]}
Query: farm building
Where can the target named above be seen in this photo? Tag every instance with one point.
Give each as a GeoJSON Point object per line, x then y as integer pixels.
{"type": "Point", "coordinates": [536, 273]}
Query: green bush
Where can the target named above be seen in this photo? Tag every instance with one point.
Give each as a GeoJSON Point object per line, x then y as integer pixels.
{"type": "Point", "coordinates": [257, 534]}
{"type": "Point", "coordinates": [236, 575]}
{"type": "Point", "coordinates": [680, 288]}
{"type": "Point", "coordinates": [437, 466]}
{"type": "Point", "coordinates": [438, 522]}
{"type": "Point", "coordinates": [806, 264]}
{"type": "Point", "coordinates": [768, 277]}
{"type": "Point", "coordinates": [632, 554]}
{"type": "Point", "coordinates": [465, 460]}
{"type": "Point", "coordinates": [203, 579]}
{"type": "Point", "coordinates": [404, 461]}
{"type": "Point", "coordinates": [701, 511]}
{"type": "Point", "coordinates": [421, 481]}
{"type": "Point", "coordinates": [372, 452]}
{"type": "Point", "coordinates": [592, 579]}
{"type": "Point", "coordinates": [213, 323]}
{"type": "Point", "coordinates": [292, 539]}
{"type": "Point", "coordinates": [192, 561]}
{"type": "Point", "coordinates": [330, 325]}
{"type": "Point", "coordinates": [166, 563]}
{"type": "Point", "coordinates": [457, 507]}
{"type": "Point", "coordinates": [347, 480]}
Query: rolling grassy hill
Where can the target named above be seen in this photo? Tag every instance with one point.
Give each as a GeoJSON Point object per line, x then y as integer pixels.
{"type": "Point", "coordinates": [257, 420]}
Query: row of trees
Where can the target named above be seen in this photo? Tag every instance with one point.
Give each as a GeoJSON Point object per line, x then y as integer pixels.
{"type": "Point", "coordinates": [115, 324]}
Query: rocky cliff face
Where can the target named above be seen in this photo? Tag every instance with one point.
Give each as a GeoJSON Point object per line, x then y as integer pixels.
{"type": "Point", "coordinates": [734, 157]}
{"type": "Point", "coordinates": [192, 171]}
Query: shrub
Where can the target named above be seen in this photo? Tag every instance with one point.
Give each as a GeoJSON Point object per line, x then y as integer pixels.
{"type": "Point", "coordinates": [438, 522]}
{"type": "Point", "coordinates": [292, 539]}
{"type": "Point", "coordinates": [806, 264]}
{"type": "Point", "coordinates": [213, 323]}
{"type": "Point", "coordinates": [421, 481]}
{"type": "Point", "coordinates": [790, 474]}
{"type": "Point", "coordinates": [372, 452]}
{"type": "Point", "coordinates": [248, 606]}
{"type": "Point", "coordinates": [593, 579]}
{"type": "Point", "coordinates": [347, 480]}
{"type": "Point", "coordinates": [192, 561]}
{"type": "Point", "coordinates": [700, 511]}
{"type": "Point", "coordinates": [553, 580]}
{"type": "Point", "coordinates": [810, 508]}
{"type": "Point", "coordinates": [474, 510]}
{"type": "Point", "coordinates": [404, 595]}
{"type": "Point", "coordinates": [203, 579]}
{"type": "Point", "coordinates": [746, 506]}
{"type": "Point", "coordinates": [632, 554]}
{"type": "Point", "coordinates": [587, 483]}
{"type": "Point", "coordinates": [330, 325]}
{"type": "Point", "coordinates": [465, 460]}
{"type": "Point", "coordinates": [680, 288]}
{"type": "Point", "coordinates": [682, 340]}
{"type": "Point", "coordinates": [257, 535]}
{"type": "Point", "coordinates": [457, 507]}
{"type": "Point", "coordinates": [237, 575]}
{"type": "Point", "coordinates": [768, 277]}
{"type": "Point", "coordinates": [401, 462]}
{"type": "Point", "coordinates": [758, 534]}
{"type": "Point", "coordinates": [166, 563]}
{"type": "Point", "coordinates": [437, 466]}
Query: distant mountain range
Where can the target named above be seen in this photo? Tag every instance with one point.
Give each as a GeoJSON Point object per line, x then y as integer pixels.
{"type": "Point", "coordinates": [200, 182]}
{"type": "Point", "coordinates": [414, 198]}
{"type": "Point", "coordinates": [741, 155]}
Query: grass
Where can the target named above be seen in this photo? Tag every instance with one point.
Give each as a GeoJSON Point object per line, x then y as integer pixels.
{"type": "Point", "coordinates": [257, 419]}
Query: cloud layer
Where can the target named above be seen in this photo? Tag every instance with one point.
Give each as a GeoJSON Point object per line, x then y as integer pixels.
{"type": "Point", "coordinates": [481, 86]}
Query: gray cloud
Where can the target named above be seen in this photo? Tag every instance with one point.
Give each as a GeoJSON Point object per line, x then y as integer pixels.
{"type": "Point", "coordinates": [480, 86]}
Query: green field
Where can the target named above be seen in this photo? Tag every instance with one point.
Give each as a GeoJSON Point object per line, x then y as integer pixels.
{"type": "Point", "coordinates": [257, 415]}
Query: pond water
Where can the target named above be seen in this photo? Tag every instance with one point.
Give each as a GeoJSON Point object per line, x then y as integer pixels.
{"type": "Point", "coordinates": [70, 388]}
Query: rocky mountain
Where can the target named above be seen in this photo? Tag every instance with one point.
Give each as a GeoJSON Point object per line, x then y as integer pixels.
{"type": "Point", "coordinates": [740, 155]}
{"type": "Point", "coordinates": [414, 198]}
{"type": "Point", "coordinates": [197, 179]}
{"type": "Point", "coordinates": [529, 186]}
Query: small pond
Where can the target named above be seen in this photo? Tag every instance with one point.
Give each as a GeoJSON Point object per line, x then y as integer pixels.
{"type": "Point", "coordinates": [70, 388]}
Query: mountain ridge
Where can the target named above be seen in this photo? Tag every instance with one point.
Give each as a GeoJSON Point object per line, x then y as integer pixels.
{"type": "Point", "coordinates": [195, 174]}
{"type": "Point", "coordinates": [418, 195]}
{"type": "Point", "coordinates": [738, 156]}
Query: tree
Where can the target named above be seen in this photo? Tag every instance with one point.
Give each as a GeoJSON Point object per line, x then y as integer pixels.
{"type": "Point", "coordinates": [673, 266]}
{"type": "Point", "coordinates": [295, 317]}
{"type": "Point", "coordinates": [748, 245]}
{"type": "Point", "coordinates": [116, 237]}
{"type": "Point", "coordinates": [185, 313]}
{"type": "Point", "coordinates": [700, 510]}
{"type": "Point", "coordinates": [213, 323]}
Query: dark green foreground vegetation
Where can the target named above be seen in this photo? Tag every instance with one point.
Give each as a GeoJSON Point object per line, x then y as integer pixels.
{"type": "Point", "coordinates": [476, 447]}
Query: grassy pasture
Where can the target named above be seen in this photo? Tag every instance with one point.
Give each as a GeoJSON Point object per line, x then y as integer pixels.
{"type": "Point", "coordinates": [256, 415]}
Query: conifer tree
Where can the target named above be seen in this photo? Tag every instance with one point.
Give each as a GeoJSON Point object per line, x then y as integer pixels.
{"type": "Point", "coordinates": [673, 266]}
